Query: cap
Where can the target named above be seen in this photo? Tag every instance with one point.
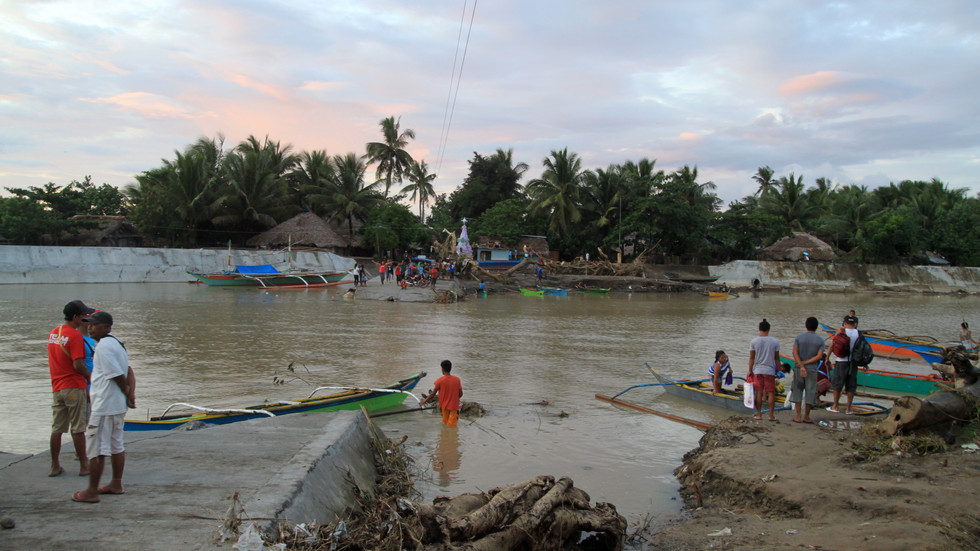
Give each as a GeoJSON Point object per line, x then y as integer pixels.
{"type": "Point", "coordinates": [99, 317]}
{"type": "Point", "coordinates": [75, 308]}
{"type": "Point", "coordinates": [850, 319]}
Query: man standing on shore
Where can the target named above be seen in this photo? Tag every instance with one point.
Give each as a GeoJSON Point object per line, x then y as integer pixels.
{"type": "Point", "coordinates": [808, 352]}
{"type": "Point", "coordinates": [110, 398]}
{"type": "Point", "coordinates": [449, 390]}
{"type": "Point", "coordinates": [844, 377]}
{"type": "Point", "coordinates": [69, 377]}
{"type": "Point", "coordinates": [763, 359]}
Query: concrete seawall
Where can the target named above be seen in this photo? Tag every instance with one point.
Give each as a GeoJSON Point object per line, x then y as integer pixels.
{"type": "Point", "coordinates": [26, 264]}
{"type": "Point", "coordinates": [824, 276]}
{"type": "Point", "coordinates": [298, 467]}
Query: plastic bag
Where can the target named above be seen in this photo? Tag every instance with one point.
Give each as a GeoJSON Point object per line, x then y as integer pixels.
{"type": "Point", "coordinates": [749, 391]}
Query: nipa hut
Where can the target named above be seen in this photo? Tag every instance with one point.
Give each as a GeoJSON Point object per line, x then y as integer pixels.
{"type": "Point", "coordinates": [791, 248]}
{"type": "Point", "coordinates": [306, 229]}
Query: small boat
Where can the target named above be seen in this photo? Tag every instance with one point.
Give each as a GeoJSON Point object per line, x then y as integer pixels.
{"type": "Point", "coordinates": [532, 292]}
{"type": "Point", "coordinates": [911, 383]}
{"type": "Point", "coordinates": [713, 294]}
{"type": "Point", "coordinates": [690, 279]}
{"type": "Point", "coordinates": [700, 391]}
{"type": "Point", "coordinates": [888, 344]}
{"type": "Point", "coordinates": [594, 290]}
{"type": "Point", "coordinates": [555, 291]}
{"type": "Point", "coordinates": [349, 398]}
{"type": "Point", "coordinates": [267, 276]}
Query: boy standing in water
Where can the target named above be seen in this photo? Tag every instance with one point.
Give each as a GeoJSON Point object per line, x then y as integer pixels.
{"type": "Point", "coordinates": [449, 390]}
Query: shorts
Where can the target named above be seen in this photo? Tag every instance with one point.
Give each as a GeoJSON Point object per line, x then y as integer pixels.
{"type": "Point", "coordinates": [69, 408]}
{"type": "Point", "coordinates": [450, 417]}
{"type": "Point", "coordinates": [764, 383]}
{"type": "Point", "coordinates": [806, 384]}
{"type": "Point", "coordinates": [105, 435]}
{"type": "Point", "coordinates": [844, 377]}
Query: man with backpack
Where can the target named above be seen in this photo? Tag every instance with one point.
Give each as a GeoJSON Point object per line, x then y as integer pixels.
{"type": "Point", "coordinates": [844, 377]}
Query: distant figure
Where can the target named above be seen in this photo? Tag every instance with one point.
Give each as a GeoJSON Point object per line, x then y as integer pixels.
{"type": "Point", "coordinates": [481, 288]}
{"type": "Point", "coordinates": [763, 359]}
{"type": "Point", "coordinates": [540, 274]}
{"type": "Point", "coordinates": [853, 315]}
{"type": "Point", "coordinates": [449, 390]}
{"type": "Point", "coordinates": [69, 377]}
{"type": "Point", "coordinates": [808, 350]}
{"type": "Point", "coordinates": [806, 256]}
{"type": "Point", "coordinates": [111, 396]}
{"type": "Point", "coordinates": [966, 337]}
{"type": "Point", "coordinates": [720, 370]}
{"type": "Point", "coordinates": [381, 272]}
{"type": "Point", "coordinates": [349, 295]}
{"type": "Point", "coordinates": [357, 274]}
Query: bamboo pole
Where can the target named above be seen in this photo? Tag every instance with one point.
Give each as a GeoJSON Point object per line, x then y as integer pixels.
{"type": "Point", "coordinates": [686, 421]}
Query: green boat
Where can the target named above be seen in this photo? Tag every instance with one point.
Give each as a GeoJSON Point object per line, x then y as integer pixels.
{"type": "Point", "coordinates": [348, 398]}
{"type": "Point", "coordinates": [267, 276]}
{"type": "Point", "coordinates": [532, 292]}
{"type": "Point", "coordinates": [594, 290]}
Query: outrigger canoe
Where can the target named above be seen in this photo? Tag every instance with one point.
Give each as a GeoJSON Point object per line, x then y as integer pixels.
{"type": "Point", "coordinates": [700, 391]}
{"type": "Point", "coordinates": [532, 292]}
{"type": "Point", "coordinates": [888, 344]}
{"type": "Point", "coordinates": [267, 276]}
{"type": "Point", "coordinates": [348, 398]}
{"type": "Point", "coordinates": [555, 291]}
{"type": "Point", "coordinates": [594, 290]}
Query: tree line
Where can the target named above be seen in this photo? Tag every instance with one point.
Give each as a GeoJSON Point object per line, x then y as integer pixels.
{"type": "Point", "coordinates": [207, 195]}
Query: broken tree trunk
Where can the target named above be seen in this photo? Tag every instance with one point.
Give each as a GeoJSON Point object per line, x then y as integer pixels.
{"type": "Point", "coordinates": [938, 410]}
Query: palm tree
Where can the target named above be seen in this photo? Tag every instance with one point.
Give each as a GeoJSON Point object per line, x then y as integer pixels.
{"type": "Point", "coordinates": [393, 161]}
{"type": "Point", "coordinates": [763, 177]}
{"type": "Point", "coordinates": [506, 159]}
{"type": "Point", "coordinates": [256, 185]}
{"type": "Point", "coordinates": [312, 176]}
{"type": "Point", "coordinates": [789, 202]}
{"type": "Point", "coordinates": [557, 190]}
{"type": "Point", "coordinates": [349, 198]}
{"type": "Point", "coordinates": [421, 186]}
{"type": "Point", "coordinates": [602, 192]}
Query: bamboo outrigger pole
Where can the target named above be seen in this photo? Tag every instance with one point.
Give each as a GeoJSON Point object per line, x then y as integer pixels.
{"type": "Point", "coordinates": [686, 421]}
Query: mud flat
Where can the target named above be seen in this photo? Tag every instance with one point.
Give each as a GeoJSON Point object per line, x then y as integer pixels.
{"type": "Point", "coordinates": [763, 485]}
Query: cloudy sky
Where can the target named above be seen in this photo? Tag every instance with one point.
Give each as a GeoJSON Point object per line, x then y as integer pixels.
{"type": "Point", "coordinates": [866, 92]}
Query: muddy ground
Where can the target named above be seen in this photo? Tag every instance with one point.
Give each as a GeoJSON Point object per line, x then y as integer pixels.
{"type": "Point", "coordinates": [832, 485]}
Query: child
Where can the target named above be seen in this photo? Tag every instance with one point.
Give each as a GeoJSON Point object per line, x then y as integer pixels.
{"type": "Point", "coordinates": [718, 370]}
{"type": "Point", "coordinates": [449, 390]}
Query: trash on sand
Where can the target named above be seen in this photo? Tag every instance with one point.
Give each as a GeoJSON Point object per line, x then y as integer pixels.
{"type": "Point", "coordinates": [722, 532]}
{"type": "Point", "coordinates": [770, 478]}
{"type": "Point", "coordinates": [970, 448]}
{"type": "Point", "coordinates": [250, 540]}
{"type": "Point", "coordinates": [792, 532]}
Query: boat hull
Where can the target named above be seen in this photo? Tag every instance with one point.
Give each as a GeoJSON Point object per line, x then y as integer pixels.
{"type": "Point", "coordinates": [347, 400]}
{"type": "Point", "coordinates": [910, 383]}
{"type": "Point", "coordinates": [319, 279]}
{"type": "Point", "coordinates": [898, 347]}
{"type": "Point", "coordinates": [531, 292]}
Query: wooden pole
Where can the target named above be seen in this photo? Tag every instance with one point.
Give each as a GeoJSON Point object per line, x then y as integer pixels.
{"type": "Point", "coordinates": [686, 421]}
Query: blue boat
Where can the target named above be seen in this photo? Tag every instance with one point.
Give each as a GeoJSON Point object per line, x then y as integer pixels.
{"type": "Point", "coordinates": [889, 345]}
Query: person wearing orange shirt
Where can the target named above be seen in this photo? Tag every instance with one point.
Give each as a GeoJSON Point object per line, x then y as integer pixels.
{"type": "Point", "coordinates": [69, 377]}
{"type": "Point", "coordinates": [449, 390]}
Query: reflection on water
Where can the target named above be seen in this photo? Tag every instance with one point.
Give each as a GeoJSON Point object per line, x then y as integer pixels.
{"type": "Point", "coordinates": [534, 362]}
{"type": "Point", "coordinates": [447, 457]}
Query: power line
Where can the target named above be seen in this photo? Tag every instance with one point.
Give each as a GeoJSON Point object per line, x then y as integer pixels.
{"type": "Point", "coordinates": [459, 78]}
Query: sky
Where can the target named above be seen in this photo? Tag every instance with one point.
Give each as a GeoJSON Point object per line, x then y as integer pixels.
{"type": "Point", "coordinates": [864, 93]}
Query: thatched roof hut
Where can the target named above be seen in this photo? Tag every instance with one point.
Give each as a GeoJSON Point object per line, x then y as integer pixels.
{"type": "Point", "coordinates": [306, 229]}
{"type": "Point", "coordinates": [792, 247]}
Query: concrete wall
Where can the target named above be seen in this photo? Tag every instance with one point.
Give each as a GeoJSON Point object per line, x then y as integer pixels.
{"type": "Point", "coordinates": [858, 277]}
{"type": "Point", "coordinates": [24, 264]}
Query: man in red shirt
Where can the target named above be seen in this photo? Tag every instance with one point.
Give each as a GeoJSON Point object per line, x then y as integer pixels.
{"type": "Point", "coordinates": [449, 389]}
{"type": "Point", "coordinates": [69, 377]}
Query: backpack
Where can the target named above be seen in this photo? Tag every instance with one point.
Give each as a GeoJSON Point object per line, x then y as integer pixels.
{"type": "Point", "coordinates": [862, 353]}
{"type": "Point", "coordinates": [840, 346]}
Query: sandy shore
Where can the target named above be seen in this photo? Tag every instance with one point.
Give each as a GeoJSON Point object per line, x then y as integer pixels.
{"type": "Point", "coordinates": [762, 485]}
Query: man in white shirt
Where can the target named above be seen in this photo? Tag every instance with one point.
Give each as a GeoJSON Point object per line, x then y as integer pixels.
{"type": "Point", "coordinates": [111, 396]}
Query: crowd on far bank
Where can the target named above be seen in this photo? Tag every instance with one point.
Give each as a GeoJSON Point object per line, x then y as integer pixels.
{"type": "Point", "coordinates": [408, 272]}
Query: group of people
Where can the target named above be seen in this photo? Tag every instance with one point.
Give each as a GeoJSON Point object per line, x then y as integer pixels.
{"type": "Point", "coordinates": [360, 275]}
{"type": "Point", "coordinates": [811, 375]}
{"type": "Point", "coordinates": [92, 387]}
{"type": "Point", "coordinates": [409, 270]}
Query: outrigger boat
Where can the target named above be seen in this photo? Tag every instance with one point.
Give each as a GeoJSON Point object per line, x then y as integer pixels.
{"type": "Point", "coordinates": [732, 400]}
{"type": "Point", "coordinates": [267, 276]}
{"type": "Point", "coordinates": [555, 291]}
{"type": "Point", "coordinates": [349, 398]}
{"type": "Point", "coordinates": [888, 344]}
{"type": "Point", "coordinates": [532, 292]}
{"type": "Point", "coordinates": [690, 279]}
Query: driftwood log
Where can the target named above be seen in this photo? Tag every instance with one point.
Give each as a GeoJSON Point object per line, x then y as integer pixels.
{"type": "Point", "coordinates": [540, 514]}
{"type": "Point", "coordinates": [939, 410]}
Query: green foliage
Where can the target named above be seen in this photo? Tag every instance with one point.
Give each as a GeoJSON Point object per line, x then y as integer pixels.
{"type": "Point", "coordinates": [892, 235]}
{"type": "Point", "coordinates": [23, 220]}
{"type": "Point", "coordinates": [491, 179]}
{"type": "Point", "coordinates": [54, 206]}
{"type": "Point", "coordinates": [507, 221]}
{"type": "Point", "coordinates": [955, 233]}
{"type": "Point", "coordinates": [392, 226]}
{"type": "Point", "coordinates": [394, 162]}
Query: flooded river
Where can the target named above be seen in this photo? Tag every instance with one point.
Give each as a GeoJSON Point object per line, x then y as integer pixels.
{"type": "Point", "coordinates": [535, 363]}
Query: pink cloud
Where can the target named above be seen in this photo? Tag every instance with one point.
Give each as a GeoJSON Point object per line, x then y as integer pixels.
{"type": "Point", "coordinates": [151, 106]}
{"type": "Point", "coordinates": [265, 89]}
{"type": "Point", "coordinates": [689, 136]}
{"type": "Point", "coordinates": [813, 82]}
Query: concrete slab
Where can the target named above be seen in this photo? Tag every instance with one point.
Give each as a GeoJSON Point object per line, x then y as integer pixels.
{"type": "Point", "coordinates": [178, 484]}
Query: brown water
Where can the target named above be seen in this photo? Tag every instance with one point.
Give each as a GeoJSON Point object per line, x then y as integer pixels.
{"type": "Point", "coordinates": [221, 347]}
